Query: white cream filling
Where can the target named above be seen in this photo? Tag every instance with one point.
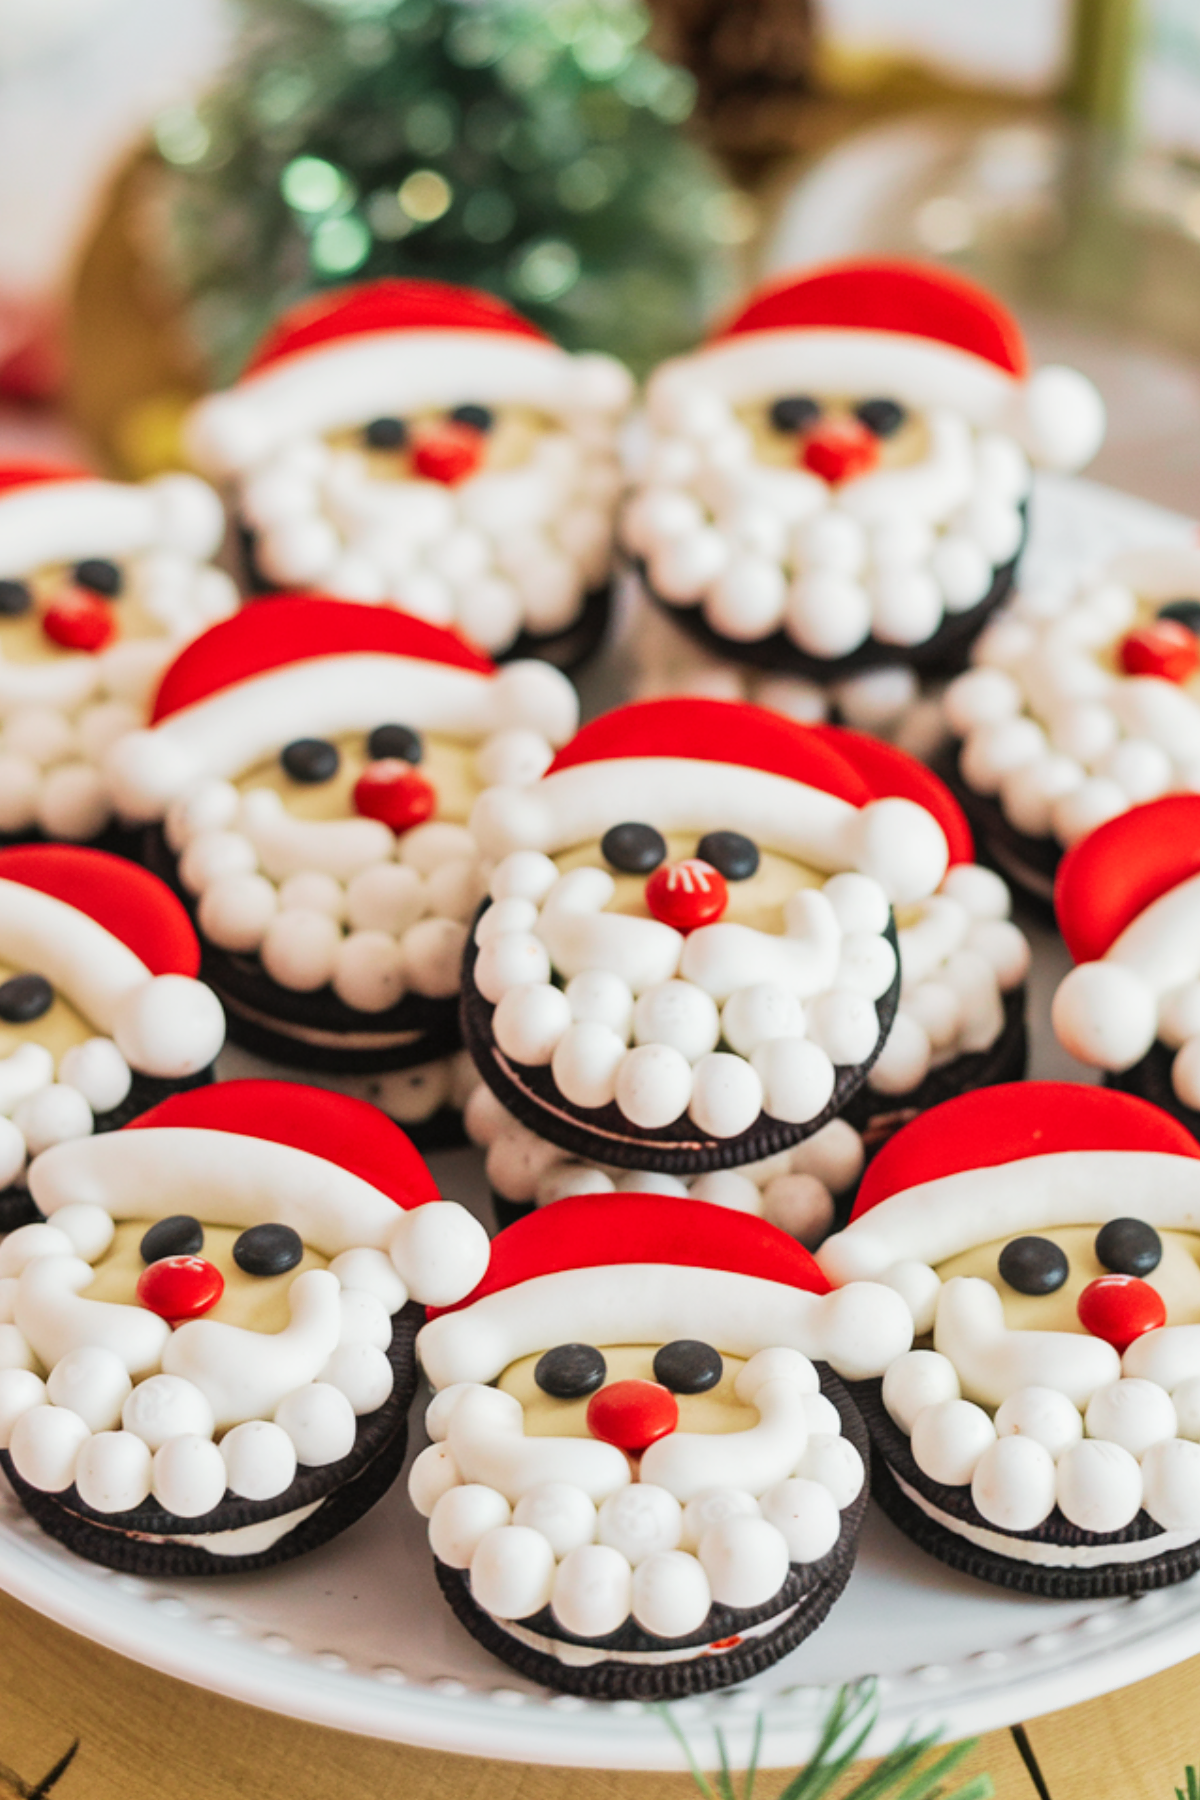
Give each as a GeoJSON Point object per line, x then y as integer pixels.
{"type": "Point", "coordinates": [585, 1656]}
{"type": "Point", "coordinates": [246, 1540]}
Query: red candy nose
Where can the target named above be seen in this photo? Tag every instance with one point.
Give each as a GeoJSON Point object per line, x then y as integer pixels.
{"type": "Point", "coordinates": [179, 1288]}
{"type": "Point", "coordinates": [1166, 649]}
{"type": "Point", "coordinates": [687, 894]}
{"type": "Point", "coordinates": [449, 453]}
{"type": "Point", "coordinates": [395, 793]}
{"type": "Point", "coordinates": [1119, 1308]}
{"type": "Point", "coordinates": [79, 621]}
{"type": "Point", "coordinates": [632, 1414]}
{"type": "Point", "coordinates": [839, 450]}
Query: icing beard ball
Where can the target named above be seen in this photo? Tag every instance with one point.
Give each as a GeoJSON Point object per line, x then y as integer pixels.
{"type": "Point", "coordinates": [100, 581]}
{"type": "Point", "coordinates": [423, 446]}
{"type": "Point", "coordinates": [209, 1360]}
{"type": "Point", "coordinates": [1082, 704]}
{"type": "Point", "coordinates": [640, 1005]}
{"type": "Point", "coordinates": [308, 775]}
{"type": "Point", "coordinates": [837, 480]}
{"type": "Point", "coordinates": [632, 1491]}
{"type": "Point", "coordinates": [1042, 1432]}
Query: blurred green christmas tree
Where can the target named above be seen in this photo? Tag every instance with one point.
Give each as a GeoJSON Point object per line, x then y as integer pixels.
{"type": "Point", "coordinates": [531, 148]}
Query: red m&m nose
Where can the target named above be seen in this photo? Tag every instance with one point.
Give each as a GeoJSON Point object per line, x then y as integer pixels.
{"type": "Point", "coordinates": [449, 453]}
{"type": "Point", "coordinates": [1166, 649]}
{"type": "Point", "coordinates": [180, 1287]}
{"type": "Point", "coordinates": [687, 894]}
{"type": "Point", "coordinates": [395, 793]}
{"type": "Point", "coordinates": [839, 450]}
{"type": "Point", "coordinates": [632, 1414]}
{"type": "Point", "coordinates": [79, 621]}
{"type": "Point", "coordinates": [1119, 1308]}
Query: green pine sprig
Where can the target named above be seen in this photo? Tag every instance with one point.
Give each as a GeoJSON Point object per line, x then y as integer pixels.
{"type": "Point", "coordinates": [1192, 1777]}
{"type": "Point", "coordinates": [909, 1772]}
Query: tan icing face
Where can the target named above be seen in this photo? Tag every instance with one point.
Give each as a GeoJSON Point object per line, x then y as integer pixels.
{"type": "Point", "coordinates": [1177, 1278]}
{"type": "Point", "coordinates": [58, 1029]}
{"type": "Point", "coordinates": [253, 1302]}
{"type": "Point", "coordinates": [508, 442]}
{"type": "Point", "coordinates": [447, 763]}
{"type": "Point", "coordinates": [757, 902]}
{"type": "Point", "coordinates": [716, 1411]}
{"type": "Point", "coordinates": [900, 449]}
{"type": "Point", "coordinates": [22, 639]}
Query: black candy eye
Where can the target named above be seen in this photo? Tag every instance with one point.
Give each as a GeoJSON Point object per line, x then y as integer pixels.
{"type": "Point", "coordinates": [395, 742]}
{"type": "Point", "coordinates": [1128, 1247]}
{"type": "Point", "coordinates": [634, 849]}
{"type": "Point", "coordinates": [386, 434]}
{"type": "Point", "coordinates": [1033, 1265]}
{"type": "Point", "coordinates": [734, 855]}
{"type": "Point", "coordinates": [25, 997]}
{"type": "Point", "coordinates": [795, 412]}
{"type": "Point", "coordinates": [482, 418]}
{"type": "Point", "coordinates": [268, 1250]}
{"type": "Point", "coordinates": [16, 597]}
{"type": "Point", "coordinates": [180, 1235]}
{"type": "Point", "coordinates": [99, 576]}
{"type": "Point", "coordinates": [687, 1366]}
{"type": "Point", "coordinates": [881, 417]}
{"type": "Point", "coordinates": [310, 760]}
{"type": "Point", "coordinates": [570, 1371]}
{"type": "Point", "coordinates": [1183, 612]}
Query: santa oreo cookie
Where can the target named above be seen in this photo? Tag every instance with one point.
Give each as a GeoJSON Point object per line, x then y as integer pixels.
{"type": "Point", "coordinates": [1042, 1433]}
{"type": "Point", "coordinates": [101, 1015]}
{"type": "Point", "coordinates": [210, 1357]}
{"type": "Point", "coordinates": [425, 446]}
{"type": "Point", "coordinates": [312, 763]}
{"type": "Point", "coordinates": [100, 581]}
{"type": "Point", "coordinates": [837, 480]}
{"type": "Point", "coordinates": [645, 1478]}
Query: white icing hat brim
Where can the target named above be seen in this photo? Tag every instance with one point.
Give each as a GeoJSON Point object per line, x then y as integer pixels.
{"type": "Point", "coordinates": [63, 521]}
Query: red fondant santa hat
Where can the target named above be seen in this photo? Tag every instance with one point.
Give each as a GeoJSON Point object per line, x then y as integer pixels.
{"type": "Point", "coordinates": [700, 765]}
{"type": "Point", "coordinates": [117, 943]}
{"type": "Point", "coordinates": [1002, 1161]}
{"type": "Point", "coordinates": [393, 346]}
{"type": "Point", "coordinates": [275, 1152]}
{"type": "Point", "coordinates": [310, 667]}
{"type": "Point", "coordinates": [1127, 899]}
{"type": "Point", "coordinates": [52, 512]}
{"type": "Point", "coordinates": [917, 334]}
{"type": "Point", "coordinates": [648, 1269]}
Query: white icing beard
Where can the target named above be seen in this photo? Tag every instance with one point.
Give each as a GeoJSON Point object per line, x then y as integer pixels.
{"type": "Point", "coordinates": [762, 549]}
{"type": "Point", "coordinates": [497, 553]}
{"type": "Point", "coordinates": [40, 1105]}
{"type": "Point", "coordinates": [572, 1523]}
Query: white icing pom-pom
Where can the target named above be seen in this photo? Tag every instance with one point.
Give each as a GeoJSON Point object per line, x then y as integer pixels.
{"type": "Point", "coordinates": [440, 1252]}
{"type": "Point", "coordinates": [780, 1363]}
{"type": "Point", "coordinates": [918, 1286]}
{"type": "Point", "coordinates": [529, 1022]}
{"type": "Point", "coordinates": [74, 803]}
{"type": "Point", "coordinates": [99, 1071]}
{"type": "Point", "coordinates": [512, 1572]}
{"type": "Point", "coordinates": [1043, 1414]}
{"type": "Point", "coordinates": [211, 806]}
{"type": "Point", "coordinates": [827, 614]}
{"type": "Point", "coordinates": [1084, 730]}
{"type": "Point", "coordinates": [806, 1515]}
{"type": "Point", "coordinates": [746, 602]}
{"type": "Point", "coordinates": [433, 1474]}
{"type": "Point", "coordinates": [320, 1422]}
{"type": "Point", "coordinates": [711, 1508]}
{"type": "Point", "coordinates": [188, 1476]}
{"type": "Point", "coordinates": [1139, 768]}
{"type": "Point", "coordinates": [1179, 1015]}
{"type": "Point", "coordinates": [94, 1383]}
{"type": "Point", "coordinates": [906, 606]}
{"type": "Point", "coordinates": [368, 971]}
{"type": "Point", "coordinates": [1099, 1486]}
{"type": "Point", "coordinates": [797, 1079]}
{"type": "Point", "coordinates": [523, 875]}
{"type": "Point", "coordinates": [1105, 1014]}
{"type": "Point", "coordinates": [165, 1407]}
{"type": "Point", "coordinates": [679, 1014]}
{"type": "Point", "coordinates": [489, 612]}
{"type": "Point", "coordinates": [652, 1084]}
{"type": "Point", "coordinates": [1134, 1414]}
{"type": "Point", "coordinates": [1171, 1484]}
{"type": "Point", "coordinates": [236, 910]}
{"type": "Point", "coordinates": [566, 1179]}
{"type": "Point", "coordinates": [170, 1026]}
{"type": "Point", "coordinates": [800, 1205]}
{"type": "Point", "coordinates": [745, 1560]}
{"type": "Point", "coordinates": [515, 959]}
{"type": "Point", "coordinates": [513, 758]}
{"type": "Point", "coordinates": [1029, 794]}
{"type": "Point", "coordinates": [902, 847]}
{"type": "Point", "coordinates": [935, 1008]}
{"type": "Point", "coordinates": [795, 698]}
{"type": "Point", "coordinates": [39, 733]}
{"type": "Point", "coordinates": [1014, 1484]}
{"type": "Point", "coordinates": [1086, 807]}
{"type": "Point", "coordinates": [1063, 418]}
{"type": "Point", "coordinates": [592, 1590]}
{"type": "Point", "coordinates": [727, 1094]}
{"type": "Point", "coordinates": [980, 892]}
{"type": "Point", "coordinates": [639, 1521]}
{"type": "Point", "coordinates": [602, 997]}
{"type": "Point", "coordinates": [259, 1458]}
{"type": "Point", "coordinates": [753, 1015]}
{"type": "Point", "coordinates": [44, 1443]}
{"type": "Point", "coordinates": [834, 1155]}
{"type": "Point", "coordinates": [90, 1228]}
{"type": "Point", "coordinates": [833, 1461]}
{"type": "Point", "coordinates": [20, 786]}
{"type": "Point", "coordinates": [12, 1152]}
{"type": "Point", "coordinates": [671, 1597]}
{"type": "Point", "coordinates": [454, 889]}
{"type": "Point", "coordinates": [20, 1391]}
{"type": "Point", "coordinates": [948, 1439]}
{"type": "Point", "coordinates": [462, 1518]}
{"type": "Point", "coordinates": [15, 1351]}
{"type": "Point", "coordinates": [311, 891]}
{"type": "Point", "coordinates": [54, 1115]}
{"type": "Point", "coordinates": [1005, 947]}
{"type": "Point", "coordinates": [360, 1370]}
{"type": "Point", "coordinates": [846, 1026]}
{"type": "Point", "coordinates": [385, 897]}
{"type": "Point", "coordinates": [564, 1515]}
{"type": "Point", "coordinates": [587, 1061]}
{"type": "Point", "coordinates": [212, 855]}
{"type": "Point", "coordinates": [991, 751]}
{"type": "Point", "coordinates": [364, 1319]}
{"type": "Point", "coordinates": [684, 565]}
{"type": "Point", "coordinates": [1185, 1073]}
{"type": "Point", "coordinates": [726, 1187]}
{"type": "Point", "coordinates": [903, 1063]}
{"type": "Point", "coordinates": [504, 916]}
{"type": "Point", "coordinates": [299, 949]}
{"type": "Point", "coordinates": [373, 1273]}
{"type": "Point", "coordinates": [21, 1247]}
{"type": "Point", "coordinates": [962, 571]}
{"type": "Point", "coordinates": [432, 953]}
{"type": "Point", "coordinates": [831, 541]}
{"type": "Point", "coordinates": [859, 904]}
{"type": "Point", "coordinates": [113, 1472]}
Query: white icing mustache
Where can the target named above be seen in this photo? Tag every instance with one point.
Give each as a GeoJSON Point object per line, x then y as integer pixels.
{"type": "Point", "coordinates": [687, 1463]}
{"type": "Point", "coordinates": [56, 1319]}
{"type": "Point", "coordinates": [939, 929]}
{"type": "Point", "coordinates": [486, 1437]}
{"type": "Point", "coordinates": [245, 1374]}
{"type": "Point", "coordinates": [1167, 1356]}
{"type": "Point", "coordinates": [993, 1362]}
{"type": "Point", "coordinates": [931, 489]}
{"type": "Point", "coordinates": [287, 845]}
{"type": "Point", "coordinates": [581, 936]}
{"type": "Point", "coordinates": [723, 957]}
